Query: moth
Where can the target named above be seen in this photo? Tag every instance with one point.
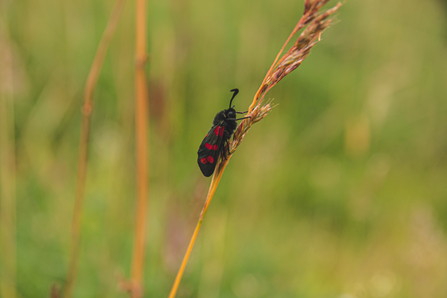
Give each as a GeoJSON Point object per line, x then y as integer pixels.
{"type": "Point", "coordinates": [215, 141]}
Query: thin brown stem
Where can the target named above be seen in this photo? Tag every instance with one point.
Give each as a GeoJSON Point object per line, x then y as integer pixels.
{"type": "Point", "coordinates": [84, 145]}
{"type": "Point", "coordinates": [141, 122]}
{"type": "Point", "coordinates": [213, 186]}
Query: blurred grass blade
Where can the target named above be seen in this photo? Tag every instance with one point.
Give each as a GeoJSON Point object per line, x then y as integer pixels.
{"type": "Point", "coordinates": [8, 210]}
{"type": "Point", "coordinates": [84, 145]}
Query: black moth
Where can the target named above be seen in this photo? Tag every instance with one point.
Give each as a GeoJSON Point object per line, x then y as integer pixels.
{"type": "Point", "coordinates": [215, 141]}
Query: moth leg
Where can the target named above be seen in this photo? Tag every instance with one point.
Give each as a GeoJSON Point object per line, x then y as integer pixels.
{"type": "Point", "coordinates": [226, 150]}
{"type": "Point", "coordinates": [239, 118]}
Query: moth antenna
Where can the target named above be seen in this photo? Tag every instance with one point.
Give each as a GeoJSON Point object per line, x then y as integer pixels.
{"type": "Point", "coordinates": [236, 91]}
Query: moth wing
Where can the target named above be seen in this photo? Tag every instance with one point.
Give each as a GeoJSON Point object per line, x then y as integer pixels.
{"type": "Point", "coordinates": [209, 150]}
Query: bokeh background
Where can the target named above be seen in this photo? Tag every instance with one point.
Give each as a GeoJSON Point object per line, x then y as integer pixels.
{"type": "Point", "coordinates": [339, 192]}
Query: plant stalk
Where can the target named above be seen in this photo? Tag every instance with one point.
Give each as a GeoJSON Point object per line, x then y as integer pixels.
{"type": "Point", "coordinates": [213, 186]}
{"type": "Point", "coordinates": [90, 85]}
{"type": "Point", "coordinates": [141, 123]}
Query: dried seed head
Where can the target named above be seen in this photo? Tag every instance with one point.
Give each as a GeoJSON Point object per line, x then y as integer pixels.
{"type": "Point", "coordinates": [312, 6]}
{"type": "Point", "coordinates": [316, 24]}
{"type": "Point", "coordinates": [299, 51]}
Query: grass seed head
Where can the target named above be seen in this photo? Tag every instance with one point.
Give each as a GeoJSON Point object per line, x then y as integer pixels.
{"type": "Point", "coordinates": [314, 24]}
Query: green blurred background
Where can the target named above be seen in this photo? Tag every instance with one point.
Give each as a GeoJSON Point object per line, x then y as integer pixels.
{"type": "Point", "coordinates": [339, 192]}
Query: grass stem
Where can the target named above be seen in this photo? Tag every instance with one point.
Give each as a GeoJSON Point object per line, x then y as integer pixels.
{"type": "Point", "coordinates": [84, 145]}
{"type": "Point", "coordinates": [141, 123]}
{"type": "Point", "coordinates": [213, 186]}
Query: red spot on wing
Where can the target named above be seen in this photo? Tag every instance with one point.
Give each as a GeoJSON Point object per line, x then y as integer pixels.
{"type": "Point", "coordinates": [209, 159]}
{"type": "Point", "coordinates": [221, 131]}
{"type": "Point", "coordinates": [211, 147]}
{"type": "Point", "coordinates": [216, 130]}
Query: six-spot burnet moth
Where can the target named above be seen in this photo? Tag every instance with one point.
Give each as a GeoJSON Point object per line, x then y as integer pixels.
{"type": "Point", "coordinates": [215, 141]}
